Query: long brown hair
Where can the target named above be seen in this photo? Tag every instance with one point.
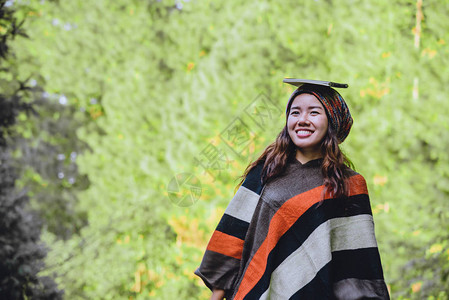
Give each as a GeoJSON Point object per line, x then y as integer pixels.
{"type": "Point", "coordinates": [335, 166]}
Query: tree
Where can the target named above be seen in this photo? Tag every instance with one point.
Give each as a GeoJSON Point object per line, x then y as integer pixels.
{"type": "Point", "coordinates": [21, 251]}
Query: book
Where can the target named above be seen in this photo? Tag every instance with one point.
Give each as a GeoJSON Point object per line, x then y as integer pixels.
{"type": "Point", "coordinates": [299, 82]}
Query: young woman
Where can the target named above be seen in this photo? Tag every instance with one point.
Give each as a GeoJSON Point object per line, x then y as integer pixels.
{"type": "Point", "coordinates": [300, 224]}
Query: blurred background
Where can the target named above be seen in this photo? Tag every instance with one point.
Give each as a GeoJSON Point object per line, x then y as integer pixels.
{"type": "Point", "coordinates": [126, 124]}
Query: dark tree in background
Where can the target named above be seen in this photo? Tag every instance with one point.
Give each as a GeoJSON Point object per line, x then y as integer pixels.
{"type": "Point", "coordinates": [21, 251]}
{"type": "Point", "coordinates": [39, 152]}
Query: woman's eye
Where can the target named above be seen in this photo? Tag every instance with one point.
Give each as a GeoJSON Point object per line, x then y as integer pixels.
{"type": "Point", "coordinates": [314, 112]}
{"type": "Point", "coordinates": [294, 112]}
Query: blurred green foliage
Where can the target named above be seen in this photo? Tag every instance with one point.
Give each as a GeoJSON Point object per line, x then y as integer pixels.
{"type": "Point", "coordinates": [155, 86]}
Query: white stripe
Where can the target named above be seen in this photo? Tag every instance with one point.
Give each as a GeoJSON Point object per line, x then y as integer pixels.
{"type": "Point", "coordinates": [243, 204]}
{"type": "Point", "coordinates": [300, 267]}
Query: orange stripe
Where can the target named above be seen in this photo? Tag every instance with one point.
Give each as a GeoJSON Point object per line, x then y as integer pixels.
{"type": "Point", "coordinates": [226, 244]}
{"type": "Point", "coordinates": [357, 185]}
{"type": "Point", "coordinates": [282, 220]}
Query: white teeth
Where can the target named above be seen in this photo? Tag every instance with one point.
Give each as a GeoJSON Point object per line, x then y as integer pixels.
{"type": "Point", "coordinates": [303, 132]}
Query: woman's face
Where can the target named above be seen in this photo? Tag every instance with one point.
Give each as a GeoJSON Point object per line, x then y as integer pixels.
{"type": "Point", "coordinates": [307, 124]}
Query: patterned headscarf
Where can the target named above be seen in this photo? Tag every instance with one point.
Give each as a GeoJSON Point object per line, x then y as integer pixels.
{"type": "Point", "coordinates": [336, 109]}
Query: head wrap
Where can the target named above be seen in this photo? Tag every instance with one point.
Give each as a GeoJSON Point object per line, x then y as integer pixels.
{"type": "Point", "coordinates": [335, 106]}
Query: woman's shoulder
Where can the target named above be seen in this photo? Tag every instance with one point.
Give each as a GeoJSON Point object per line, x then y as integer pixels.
{"type": "Point", "coordinates": [356, 180]}
{"type": "Point", "coordinates": [351, 170]}
{"type": "Point", "coordinates": [351, 173]}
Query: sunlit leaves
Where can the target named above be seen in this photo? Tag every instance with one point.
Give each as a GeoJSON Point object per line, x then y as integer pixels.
{"type": "Point", "coordinates": [161, 82]}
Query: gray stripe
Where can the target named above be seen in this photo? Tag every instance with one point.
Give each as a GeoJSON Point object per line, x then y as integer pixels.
{"type": "Point", "coordinates": [243, 204]}
{"type": "Point", "coordinates": [300, 267]}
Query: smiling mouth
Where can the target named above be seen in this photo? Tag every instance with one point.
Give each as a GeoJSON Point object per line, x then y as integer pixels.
{"type": "Point", "coordinates": [302, 133]}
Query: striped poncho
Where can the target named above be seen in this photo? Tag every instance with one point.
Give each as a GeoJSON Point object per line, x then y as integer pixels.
{"type": "Point", "coordinates": [279, 241]}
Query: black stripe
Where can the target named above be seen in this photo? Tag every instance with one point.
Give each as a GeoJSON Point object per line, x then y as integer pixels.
{"type": "Point", "coordinates": [358, 263]}
{"type": "Point", "coordinates": [253, 179]}
{"type": "Point", "coordinates": [303, 227]}
{"type": "Point", "coordinates": [233, 226]}
{"type": "Point", "coordinates": [362, 264]}
{"type": "Point", "coordinates": [319, 288]}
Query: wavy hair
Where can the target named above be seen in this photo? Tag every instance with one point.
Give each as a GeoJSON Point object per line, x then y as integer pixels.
{"type": "Point", "coordinates": [334, 168]}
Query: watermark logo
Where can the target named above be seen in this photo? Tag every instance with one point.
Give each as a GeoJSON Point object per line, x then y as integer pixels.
{"type": "Point", "coordinates": [239, 138]}
{"type": "Point", "coordinates": [184, 189]}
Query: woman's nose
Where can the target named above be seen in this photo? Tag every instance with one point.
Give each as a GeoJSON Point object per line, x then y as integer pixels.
{"type": "Point", "coordinates": [302, 119]}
